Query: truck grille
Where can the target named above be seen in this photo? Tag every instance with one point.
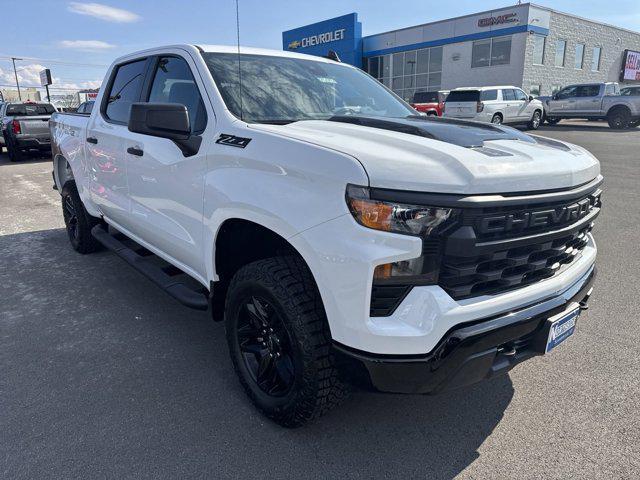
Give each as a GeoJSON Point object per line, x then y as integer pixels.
{"type": "Point", "coordinates": [503, 270]}
{"type": "Point", "coordinates": [497, 249]}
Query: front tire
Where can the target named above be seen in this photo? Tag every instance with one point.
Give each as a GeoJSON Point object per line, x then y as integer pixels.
{"type": "Point", "coordinates": [534, 123]}
{"type": "Point", "coordinates": [552, 120]}
{"type": "Point", "coordinates": [280, 343]}
{"type": "Point", "coordinates": [497, 119]}
{"type": "Point", "coordinates": [77, 221]}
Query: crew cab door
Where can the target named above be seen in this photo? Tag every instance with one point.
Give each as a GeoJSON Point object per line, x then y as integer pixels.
{"type": "Point", "coordinates": [563, 102]}
{"type": "Point", "coordinates": [589, 99]}
{"type": "Point", "coordinates": [106, 133]}
{"type": "Point", "coordinates": [165, 186]}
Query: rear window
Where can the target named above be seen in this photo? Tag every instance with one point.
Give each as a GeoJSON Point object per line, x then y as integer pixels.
{"type": "Point", "coordinates": [489, 95]}
{"type": "Point", "coordinates": [30, 109]}
{"type": "Point", "coordinates": [464, 96]}
{"type": "Point", "coordinates": [425, 97]}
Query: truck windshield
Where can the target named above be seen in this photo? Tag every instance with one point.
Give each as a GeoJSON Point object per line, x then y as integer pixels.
{"type": "Point", "coordinates": [285, 89]}
{"type": "Point", "coordinates": [30, 109]}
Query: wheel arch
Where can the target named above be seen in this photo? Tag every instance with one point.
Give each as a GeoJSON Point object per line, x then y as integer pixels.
{"type": "Point", "coordinates": [240, 240]}
{"type": "Point", "coordinates": [618, 106]}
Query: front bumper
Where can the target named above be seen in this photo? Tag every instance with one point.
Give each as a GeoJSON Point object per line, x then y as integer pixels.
{"type": "Point", "coordinates": [469, 352]}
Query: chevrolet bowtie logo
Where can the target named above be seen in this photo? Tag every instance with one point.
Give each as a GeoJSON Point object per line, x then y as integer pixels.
{"type": "Point", "coordinates": [295, 44]}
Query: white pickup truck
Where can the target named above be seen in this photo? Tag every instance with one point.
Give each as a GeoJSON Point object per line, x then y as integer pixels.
{"type": "Point", "coordinates": [340, 236]}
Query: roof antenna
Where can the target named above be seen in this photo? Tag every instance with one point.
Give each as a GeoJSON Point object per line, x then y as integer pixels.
{"type": "Point", "coordinates": [239, 67]}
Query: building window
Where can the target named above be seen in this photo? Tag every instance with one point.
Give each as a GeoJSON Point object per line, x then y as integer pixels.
{"type": "Point", "coordinates": [579, 60]}
{"type": "Point", "coordinates": [409, 72]}
{"type": "Point", "coordinates": [538, 49]}
{"type": "Point", "coordinates": [555, 88]}
{"type": "Point", "coordinates": [561, 47]}
{"type": "Point", "coordinates": [490, 52]}
{"type": "Point", "coordinates": [595, 59]}
{"type": "Point", "coordinates": [534, 90]}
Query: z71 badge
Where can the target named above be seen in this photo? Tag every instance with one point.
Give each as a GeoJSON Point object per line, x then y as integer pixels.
{"type": "Point", "coordinates": [232, 140]}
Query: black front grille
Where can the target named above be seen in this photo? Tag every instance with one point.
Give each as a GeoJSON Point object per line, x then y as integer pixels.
{"type": "Point", "coordinates": [496, 249]}
{"type": "Point", "coordinates": [503, 270]}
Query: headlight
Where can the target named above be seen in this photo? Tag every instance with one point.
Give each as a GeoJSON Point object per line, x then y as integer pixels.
{"type": "Point", "coordinates": [419, 220]}
{"type": "Point", "coordinates": [395, 217]}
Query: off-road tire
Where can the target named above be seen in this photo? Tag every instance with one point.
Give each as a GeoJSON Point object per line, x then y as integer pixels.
{"type": "Point", "coordinates": [535, 121]}
{"type": "Point", "coordinates": [619, 118]}
{"type": "Point", "coordinates": [287, 286]}
{"type": "Point", "coordinates": [77, 221]}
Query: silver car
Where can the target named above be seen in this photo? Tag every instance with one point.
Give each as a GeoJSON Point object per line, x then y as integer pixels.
{"type": "Point", "coordinates": [504, 104]}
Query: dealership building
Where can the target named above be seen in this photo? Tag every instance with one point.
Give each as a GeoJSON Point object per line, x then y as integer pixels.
{"type": "Point", "coordinates": [529, 46]}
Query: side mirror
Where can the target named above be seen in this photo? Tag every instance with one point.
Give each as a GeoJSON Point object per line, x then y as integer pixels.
{"type": "Point", "coordinates": [531, 98]}
{"type": "Point", "coordinates": [165, 120]}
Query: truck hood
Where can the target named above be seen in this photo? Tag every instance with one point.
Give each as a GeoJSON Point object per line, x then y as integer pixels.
{"type": "Point", "coordinates": [448, 156]}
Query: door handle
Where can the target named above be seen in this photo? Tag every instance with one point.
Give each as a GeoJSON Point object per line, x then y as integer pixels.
{"type": "Point", "coordinates": [135, 151]}
{"type": "Point", "coordinates": [93, 140]}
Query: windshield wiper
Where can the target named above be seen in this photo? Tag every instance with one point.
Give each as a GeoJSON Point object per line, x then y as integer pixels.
{"type": "Point", "coordinates": [276, 121]}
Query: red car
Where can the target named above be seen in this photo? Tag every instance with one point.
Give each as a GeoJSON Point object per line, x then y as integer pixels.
{"type": "Point", "coordinates": [430, 103]}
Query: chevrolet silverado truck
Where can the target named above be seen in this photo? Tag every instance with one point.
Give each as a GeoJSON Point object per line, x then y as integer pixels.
{"type": "Point", "coordinates": [593, 101]}
{"type": "Point", "coordinates": [25, 127]}
{"type": "Point", "coordinates": [342, 238]}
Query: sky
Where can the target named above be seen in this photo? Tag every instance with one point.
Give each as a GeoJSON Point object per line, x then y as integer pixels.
{"type": "Point", "coordinates": [77, 40]}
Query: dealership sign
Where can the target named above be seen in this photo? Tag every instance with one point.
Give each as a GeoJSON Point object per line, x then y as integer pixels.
{"type": "Point", "coordinates": [45, 77]}
{"type": "Point", "coordinates": [499, 20]}
{"type": "Point", "coordinates": [630, 66]}
{"type": "Point", "coordinates": [319, 39]}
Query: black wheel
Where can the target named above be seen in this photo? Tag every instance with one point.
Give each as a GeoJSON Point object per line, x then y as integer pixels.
{"type": "Point", "coordinates": [497, 119]}
{"type": "Point", "coordinates": [15, 154]}
{"type": "Point", "coordinates": [634, 124]}
{"type": "Point", "coordinates": [78, 222]}
{"type": "Point", "coordinates": [619, 118]}
{"type": "Point", "coordinates": [534, 124]}
{"type": "Point", "coordinates": [552, 120]}
{"type": "Point", "coordinates": [280, 343]}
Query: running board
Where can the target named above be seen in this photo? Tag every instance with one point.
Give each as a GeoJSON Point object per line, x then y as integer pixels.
{"type": "Point", "coordinates": [173, 286]}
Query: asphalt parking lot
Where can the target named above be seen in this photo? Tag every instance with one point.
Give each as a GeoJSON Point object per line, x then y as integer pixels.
{"type": "Point", "coordinates": [102, 375]}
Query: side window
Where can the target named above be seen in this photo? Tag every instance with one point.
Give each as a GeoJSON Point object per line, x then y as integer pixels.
{"type": "Point", "coordinates": [588, 91]}
{"type": "Point", "coordinates": [489, 95]}
{"type": "Point", "coordinates": [568, 92]}
{"type": "Point", "coordinates": [174, 83]}
{"type": "Point", "coordinates": [610, 89]}
{"type": "Point", "coordinates": [125, 90]}
{"type": "Point", "coordinates": [520, 95]}
{"type": "Point", "coordinates": [508, 95]}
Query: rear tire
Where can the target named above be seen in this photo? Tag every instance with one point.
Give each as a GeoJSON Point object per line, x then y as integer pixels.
{"type": "Point", "coordinates": [280, 343]}
{"type": "Point", "coordinates": [15, 154]}
{"type": "Point", "coordinates": [497, 119]}
{"type": "Point", "coordinates": [535, 121]}
{"type": "Point", "coordinates": [77, 221]}
{"type": "Point", "coordinates": [619, 118]}
{"type": "Point", "coordinates": [552, 120]}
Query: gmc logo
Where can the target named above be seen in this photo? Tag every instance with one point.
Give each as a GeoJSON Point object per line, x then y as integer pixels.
{"type": "Point", "coordinates": [539, 218]}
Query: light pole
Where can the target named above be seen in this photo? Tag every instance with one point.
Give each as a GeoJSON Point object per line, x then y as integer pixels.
{"type": "Point", "coordinates": [13, 59]}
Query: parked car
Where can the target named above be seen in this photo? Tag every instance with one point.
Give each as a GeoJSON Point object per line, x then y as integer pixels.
{"type": "Point", "coordinates": [593, 101]}
{"type": "Point", "coordinates": [633, 91]}
{"type": "Point", "coordinates": [85, 107]}
{"type": "Point", "coordinates": [25, 127]}
{"type": "Point", "coordinates": [430, 103]}
{"type": "Point", "coordinates": [509, 105]}
{"type": "Point", "coordinates": [404, 253]}
{"type": "Point", "coordinates": [1, 134]}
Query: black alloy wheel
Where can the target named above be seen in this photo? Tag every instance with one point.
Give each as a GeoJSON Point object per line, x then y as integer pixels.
{"type": "Point", "coordinates": [265, 346]}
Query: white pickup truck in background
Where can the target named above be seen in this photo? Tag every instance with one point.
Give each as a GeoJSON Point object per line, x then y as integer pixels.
{"type": "Point", "coordinates": [341, 237]}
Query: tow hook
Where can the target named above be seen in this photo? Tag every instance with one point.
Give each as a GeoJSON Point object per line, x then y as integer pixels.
{"type": "Point", "coordinates": [583, 304]}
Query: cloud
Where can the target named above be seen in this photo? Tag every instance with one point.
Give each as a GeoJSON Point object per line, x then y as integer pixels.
{"type": "Point", "coordinates": [29, 76]}
{"type": "Point", "coordinates": [85, 45]}
{"type": "Point", "coordinates": [103, 12]}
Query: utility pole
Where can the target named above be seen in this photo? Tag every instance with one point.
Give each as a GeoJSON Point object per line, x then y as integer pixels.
{"type": "Point", "coordinates": [13, 59]}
